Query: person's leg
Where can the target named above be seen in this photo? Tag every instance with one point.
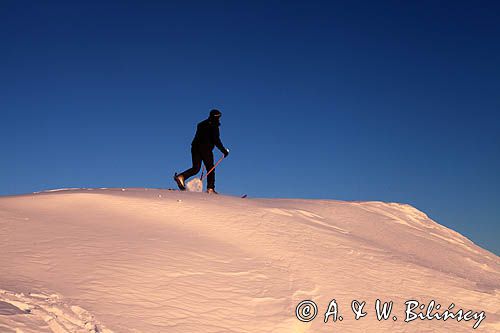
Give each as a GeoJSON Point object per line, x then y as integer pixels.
{"type": "Point", "coordinates": [208, 160]}
{"type": "Point", "coordinates": [196, 159]}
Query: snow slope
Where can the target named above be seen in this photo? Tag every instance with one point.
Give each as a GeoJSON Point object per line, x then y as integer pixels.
{"type": "Point", "coordinates": [143, 260]}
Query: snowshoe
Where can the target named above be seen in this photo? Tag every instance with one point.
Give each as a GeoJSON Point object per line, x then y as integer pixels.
{"type": "Point", "coordinates": [179, 179]}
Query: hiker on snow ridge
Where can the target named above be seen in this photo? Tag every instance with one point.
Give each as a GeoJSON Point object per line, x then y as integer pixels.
{"type": "Point", "coordinates": [207, 136]}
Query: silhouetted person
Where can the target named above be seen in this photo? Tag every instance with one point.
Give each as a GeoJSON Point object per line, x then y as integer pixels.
{"type": "Point", "coordinates": [206, 138]}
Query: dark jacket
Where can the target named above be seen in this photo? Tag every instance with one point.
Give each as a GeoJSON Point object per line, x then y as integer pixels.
{"type": "Point", "coordinates": [207, 135]}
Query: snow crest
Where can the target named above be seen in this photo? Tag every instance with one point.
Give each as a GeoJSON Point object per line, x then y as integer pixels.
{"type": "Point", "coordinates": [147, 260]}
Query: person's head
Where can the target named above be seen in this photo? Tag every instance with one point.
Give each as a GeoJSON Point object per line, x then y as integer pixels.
{"type": "Point", "coordinates": [215, 114]}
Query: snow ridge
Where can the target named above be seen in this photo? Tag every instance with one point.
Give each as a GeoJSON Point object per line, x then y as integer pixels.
{"type": "Point", "coordinates": [149, 260]}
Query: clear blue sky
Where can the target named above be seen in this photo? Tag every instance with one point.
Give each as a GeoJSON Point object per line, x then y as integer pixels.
{"type": "Point", "coordinates": [354, 100]}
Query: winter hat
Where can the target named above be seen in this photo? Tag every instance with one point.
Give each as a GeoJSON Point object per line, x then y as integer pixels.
{"type": "Point", "coordinates": [214, 113]}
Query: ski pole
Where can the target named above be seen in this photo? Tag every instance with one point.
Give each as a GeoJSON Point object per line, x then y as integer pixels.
{"type": "Point", "coordinates": [216, 164]}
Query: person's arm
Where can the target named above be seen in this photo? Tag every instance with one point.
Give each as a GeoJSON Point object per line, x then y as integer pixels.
{"type": "Point", "coordinates": [218, 142]}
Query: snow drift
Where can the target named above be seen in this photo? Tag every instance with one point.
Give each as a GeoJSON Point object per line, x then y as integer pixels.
{"type": "Point", "coordinates": [142, 260]}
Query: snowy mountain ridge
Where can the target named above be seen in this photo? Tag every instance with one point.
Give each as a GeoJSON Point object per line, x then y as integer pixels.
{"type": "Point", "coordinates": [148, 260]}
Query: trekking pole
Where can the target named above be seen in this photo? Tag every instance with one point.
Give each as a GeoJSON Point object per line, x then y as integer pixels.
{"type": "Point", "coordinates": [216, 164]}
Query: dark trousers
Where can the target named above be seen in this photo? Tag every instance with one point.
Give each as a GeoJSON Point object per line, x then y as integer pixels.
{"type": "Point", "coordinates": [199, 154]}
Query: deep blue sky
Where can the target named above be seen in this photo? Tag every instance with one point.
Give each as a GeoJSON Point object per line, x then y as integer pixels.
{"type": "Point", "coordinates": [353, 100]}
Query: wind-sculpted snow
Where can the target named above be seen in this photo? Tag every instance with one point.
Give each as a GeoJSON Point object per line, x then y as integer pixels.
{"type": "Point", "coordinates": [44, 313]}
{"type": "Point", "coordinates": [143, 260]}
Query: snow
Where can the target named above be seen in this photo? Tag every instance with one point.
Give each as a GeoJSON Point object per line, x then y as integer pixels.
{"type": "Point", "coordinates": [195, 185]}
{"type": "Point", "coordinates": [145, 260]}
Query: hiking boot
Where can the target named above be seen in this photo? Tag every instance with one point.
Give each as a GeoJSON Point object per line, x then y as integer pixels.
{"type": "Point", "coordinates": [179, 179]}
{"type": "Point", "coordinates": [211, 191]}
